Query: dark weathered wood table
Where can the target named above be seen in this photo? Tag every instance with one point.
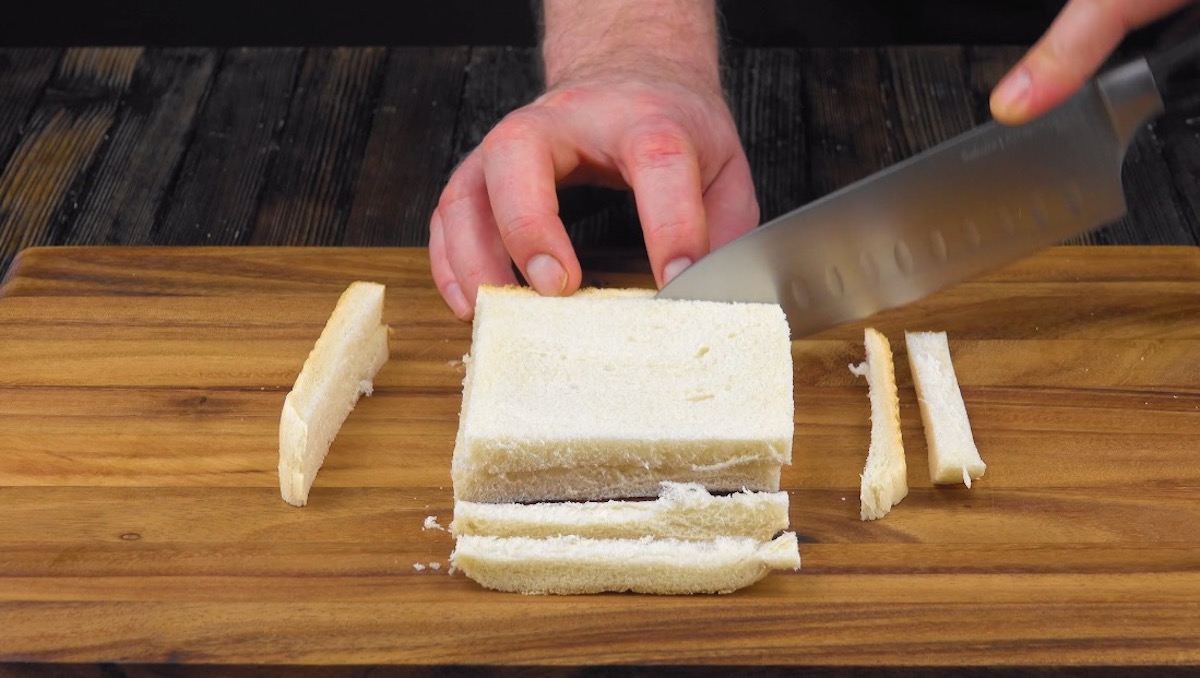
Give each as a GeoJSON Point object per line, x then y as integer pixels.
{"type": "Point", "coordinates": [351, 146]}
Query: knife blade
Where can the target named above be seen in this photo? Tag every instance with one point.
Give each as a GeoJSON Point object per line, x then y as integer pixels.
{"type": "Point", "coordinates": [964, 207]}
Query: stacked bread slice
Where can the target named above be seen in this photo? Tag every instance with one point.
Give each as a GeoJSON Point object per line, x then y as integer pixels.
{"type": "Point", "coordinates": [604, 395]}
{"type": "Point", "coordinates": [686, 541]}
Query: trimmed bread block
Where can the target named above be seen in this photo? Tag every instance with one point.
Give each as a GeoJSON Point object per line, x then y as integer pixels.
{"type": "Point", "coordinates": [574, 565]}
{"type": "Point", "coordinates": [682, 511]}
{"type": "Point", "coordinates": [340, 368]}
{"type": "Point", "coordinates": [953, 456]}
{"type": "Point", "coordinates": [885, 474]}
{"type": "Point", "coordinates": [605, 393]}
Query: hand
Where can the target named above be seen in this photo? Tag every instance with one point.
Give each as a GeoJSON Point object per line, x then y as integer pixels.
{"type": "Point", "coordinates": [1082, 36]}
{"type": "Point", "coordinates": [633, 102]}
{"type": "Point", "coordinates": [675, 146]}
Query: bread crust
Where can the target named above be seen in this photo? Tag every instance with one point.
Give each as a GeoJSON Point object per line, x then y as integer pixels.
{"type": "Point", "coordinates": [884, 480]}
{"type": "Point", "coordinates": [340, 368]}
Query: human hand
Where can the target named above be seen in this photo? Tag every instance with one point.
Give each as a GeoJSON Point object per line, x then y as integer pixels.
{"type": "Point", "coordinates": [1078, 41]}
{"type": "Point", "coordinates": [673, 144]}
{"type": "Point", "coordinates": [633, 101]}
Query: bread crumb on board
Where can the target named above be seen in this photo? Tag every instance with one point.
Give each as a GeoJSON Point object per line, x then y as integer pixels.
{"type": "Point", "coordinates": [431, 523]}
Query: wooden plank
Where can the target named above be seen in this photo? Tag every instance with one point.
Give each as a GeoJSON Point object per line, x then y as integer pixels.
{"type": "Point", "coordinates": [215, 197]}
{"type": "Point", "coordinates": [847, 127]}
{"type": "Point", "coordinates": [62, 140]}
{"type": "Point", "coordinates": [409, 149]}
{"type": "Point", "coordinates": [24, 74]}
{"type": "Point", "coordinates": [932, 101]}
{"type": "Point", "coordinates": [144, 150]}
{"type": "Point", "coordinates": [1179, 131]}
{"type": "Point", "coordinates": [499, 80]}
{"type": "Point", "coordinates": [1155, 214]}
{"type": "Point", "coordinates": [766, 90]}
{"type": "Point", "coordinates": [846, 621]}
{"type": "Point", "coordinates": [308, 192]}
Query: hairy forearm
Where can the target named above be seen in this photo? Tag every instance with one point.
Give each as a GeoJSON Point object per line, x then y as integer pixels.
{"type": "Point", "coordinates": [591, 38]}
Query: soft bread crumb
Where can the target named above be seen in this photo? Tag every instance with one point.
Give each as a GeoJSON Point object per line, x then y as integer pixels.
{"type": "Point", "coordinates": [431, 523]}
{"type": "Point", "coordinates": [419, 567]}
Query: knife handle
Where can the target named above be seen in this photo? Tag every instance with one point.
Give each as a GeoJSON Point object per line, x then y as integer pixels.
{"type": "Point", "coordinates": [1174, 59]}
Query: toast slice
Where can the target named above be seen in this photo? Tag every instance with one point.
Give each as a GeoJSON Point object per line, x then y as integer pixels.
{"type": "Point", "coordinates": [885, 475]}
{"type": "Point", "coordinates": [341, 366]}
{"type": "Point", "coordinates": [953, 456]}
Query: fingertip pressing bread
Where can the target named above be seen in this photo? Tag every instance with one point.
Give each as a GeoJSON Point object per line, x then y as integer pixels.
{"type": "Point", "coordinates": [682, 511]}
{"type": "Point", "coordinates": [885, 475]}
{"type": "Point", "coordinates": [953, 456]}
{"type": "Point", "coordinates": [341, 366]}
{"type": "Point", "coordinates": [605, 393]}
{"type": "Point", "coordinates": [576, 565]}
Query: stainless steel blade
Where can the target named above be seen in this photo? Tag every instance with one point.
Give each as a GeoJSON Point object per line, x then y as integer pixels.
{"type": "Point", "coordinates": [971, 204]}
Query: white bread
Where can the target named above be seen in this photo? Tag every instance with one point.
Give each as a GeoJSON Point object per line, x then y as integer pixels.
{"type": "Point", "coordinates": [602, 482]}
{"type": "Point", "coordinates": [571, 565]}
{"type": "Point", "coordinates": [613, 391]}
{"type": "Point", "coordinates": [341, 366]}
{"type": "Point", "coordinates": [953, 457]}
{"type": "Point", "coordinates": [682, 511]}
{"type": "Point", "coordinates": [885, 475]}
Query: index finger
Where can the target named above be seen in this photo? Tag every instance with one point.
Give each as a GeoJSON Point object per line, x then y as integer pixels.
{"type": "Point", "coordinates": [524, 157]}
{"type": "Point", "coordinates": [1078, 41]}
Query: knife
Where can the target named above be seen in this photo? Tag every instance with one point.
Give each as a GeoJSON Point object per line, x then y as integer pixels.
{"type": "Point", "coordinates": [967, 206]}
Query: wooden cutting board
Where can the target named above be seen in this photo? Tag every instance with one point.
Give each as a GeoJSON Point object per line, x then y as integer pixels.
{"type": "Point", "coordinates": [140, 518]}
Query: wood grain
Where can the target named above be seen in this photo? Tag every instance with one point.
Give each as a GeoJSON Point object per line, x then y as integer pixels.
{"type": "Point", "coordinates": [146, 143]}
{"type": "Point", "coordinates": [408, 153]}
{"type": "Point", "coordinates": [65, 133]}
{"type": "Point", "coordinates": [23, 76]}
{"type": "Point", "coordinates": [216, 195]}
{"type": "Point", "coordinates": [847, 115]}
{"type": "Point", "coordinates": [765, 96]}
{"type": "Point", "coordinates": [309, 189]}
{"type": "Point", "coordinates": [140, 392]}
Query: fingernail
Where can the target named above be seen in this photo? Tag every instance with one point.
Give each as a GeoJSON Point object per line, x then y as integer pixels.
{"type": "Point", "coordinates": [1011, 93]}
{"type": "Point", "coordinates": [674, 268]}
{"type": "Point", "coordinates": [458, 301]}
{"type": "Point", "coordinates": [546, 275]}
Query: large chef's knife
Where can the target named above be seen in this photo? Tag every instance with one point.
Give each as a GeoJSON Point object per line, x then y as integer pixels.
{"type": "Point", "coordinates": [969, 205]}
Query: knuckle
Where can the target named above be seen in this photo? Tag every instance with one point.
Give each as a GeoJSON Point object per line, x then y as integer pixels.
{"type": "Point", "coordinates": [665, 230]}
{"type": "Point", "coordinates": [458, 187]}
{"type": "Point", "coordinates": [662, 145]}
{"type": "Point", "coordinates": [514, 130]}
{"type": "Point", "coordinates": [522, 228]}
{"type": "Point", "coordinates": [472, 270]}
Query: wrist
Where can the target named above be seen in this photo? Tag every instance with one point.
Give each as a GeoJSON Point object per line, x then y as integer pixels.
{"type": "Point", "coordinates": [674, 40]}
